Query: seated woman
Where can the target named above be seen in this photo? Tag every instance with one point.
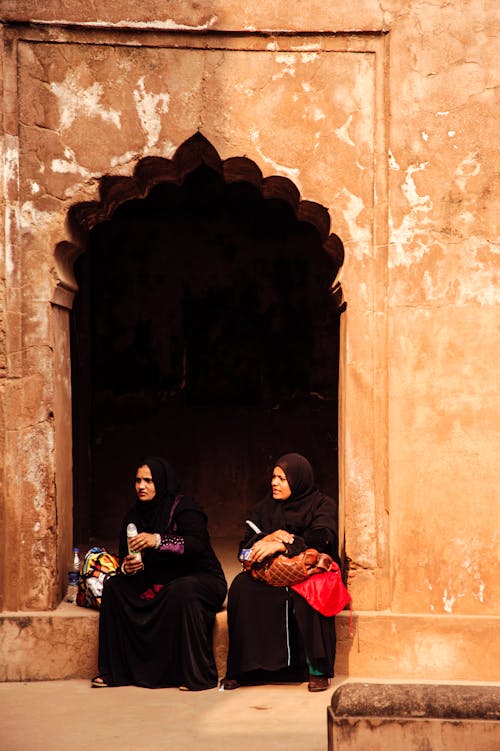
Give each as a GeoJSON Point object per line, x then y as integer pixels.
{"type": "Point", "coordinates": [273, 631]}
{"type": "Point", "coordinates": [157, 616]}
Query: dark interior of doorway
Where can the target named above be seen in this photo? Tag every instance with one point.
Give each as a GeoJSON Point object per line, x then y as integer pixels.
{"type": "Point", "coordinates": [204, 330]}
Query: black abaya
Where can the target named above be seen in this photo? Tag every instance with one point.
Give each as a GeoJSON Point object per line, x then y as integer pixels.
{"type": "Point", "coordinates": [274, 629]}
{"type": "Point", "coordinates": [155, 627]}
{"type": "Point", "coordinates": [163, 641]}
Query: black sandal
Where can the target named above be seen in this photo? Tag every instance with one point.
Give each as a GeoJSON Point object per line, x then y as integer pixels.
{"type": "Point", "coordinates": [229, 684]}
{"type": "Point", "coordinates": [99, 682]}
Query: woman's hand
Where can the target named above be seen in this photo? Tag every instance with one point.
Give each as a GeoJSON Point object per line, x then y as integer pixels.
{"type": "Point", "coordinates": [142, 541]}
{"type": "Point", "coordinates": [131, 564]}
{"type": "Point", "coordinates": [280, 535]}
{"type": "Point", "coordinates": [264, 548]}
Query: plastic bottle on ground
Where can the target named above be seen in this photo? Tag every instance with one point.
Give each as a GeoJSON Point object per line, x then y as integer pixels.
{"type": "Point", "coordinates": [73, 576]}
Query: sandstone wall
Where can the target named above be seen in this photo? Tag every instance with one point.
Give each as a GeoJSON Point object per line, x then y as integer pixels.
{"type": "Point", "coordinates": [386, 116]}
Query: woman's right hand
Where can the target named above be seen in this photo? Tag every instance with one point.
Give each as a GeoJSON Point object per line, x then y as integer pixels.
{"type": "Point", "coordinates": [264, 548]}
{"type": "Point", "coordinates": [131, 564]}
{"type": "Point", "coordinates": [281, 535]}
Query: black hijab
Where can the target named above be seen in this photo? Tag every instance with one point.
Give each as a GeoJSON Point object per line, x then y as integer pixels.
{"type": "Point", "coordinates": [153, 514]}
{"type": "Point", "coordinates": [306, 508]}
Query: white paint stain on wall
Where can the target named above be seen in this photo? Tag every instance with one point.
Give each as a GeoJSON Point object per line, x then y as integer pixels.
{"type": "Point", "coordinates": [409, 240]}
{"type": "Point", "coordinates": [351, 207]}
{"type": "Point", "coordinates": [10, 175]}
{"type": "Point", "coordinates": [342, 132]}
{"type": "Point", "coordinates": [469, 167]}
{"type": "Point", "coordinates": [150, 107]}
{"type": "Point", "coordinates": [75, 101]}
{"type": "Point", "coordinates": [30, 217]}
{"type": "Point", "coordinates": [308, 57]}
{"type": "Point", "coordinates": [69, 165]}
{"type": "Point", "coordinates": [244, 89]}
{"type": "Point", "coordinates": [314, 46]}
{"type": "Point", "coordinates": [124, 159]}
{"type": "Point", "coordinates": [448, 602]}
{"type": "Point", "coordinates": [464, 577]}
{"type": "Point", "coordinates": [318, 114]}
{"type": "Point", "coordinates": [287, 60]}
{"type": "Point", "coordinates": [280, 169]}
{"type": "Point", "coordinates": [167, 25]}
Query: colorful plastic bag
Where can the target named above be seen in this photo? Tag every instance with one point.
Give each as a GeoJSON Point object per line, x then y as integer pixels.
{"type": "Point", "coordinates": [98, 565]}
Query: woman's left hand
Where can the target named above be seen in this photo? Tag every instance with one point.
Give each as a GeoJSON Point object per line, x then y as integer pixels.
{"type": "Point", "coordinates": [142, 541]}
{"type": "Point", "coordinates": [264, 548]}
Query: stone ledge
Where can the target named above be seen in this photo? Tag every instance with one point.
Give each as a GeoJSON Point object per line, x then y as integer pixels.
{"type": "Point", "coordinates": [414, 716]}
{"type": "Point", "coordinates": [452, 701]}
{"type": "Point", "coordinates": [59, 644]}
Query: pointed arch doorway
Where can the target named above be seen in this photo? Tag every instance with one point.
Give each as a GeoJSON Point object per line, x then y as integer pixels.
{"type": "Point", "coordinates": [205, 330]}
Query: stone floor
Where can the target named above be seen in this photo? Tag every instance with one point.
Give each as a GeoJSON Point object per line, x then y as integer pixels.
{"type": "Point", "coordinates": [72, 716]}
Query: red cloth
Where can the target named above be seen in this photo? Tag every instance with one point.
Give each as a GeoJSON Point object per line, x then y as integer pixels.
{"type": "Point", "coordinates": [325, 592]}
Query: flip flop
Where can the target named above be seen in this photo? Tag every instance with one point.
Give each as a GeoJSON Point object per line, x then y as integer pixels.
{"type": "Point", "coordinates": [99, 682]}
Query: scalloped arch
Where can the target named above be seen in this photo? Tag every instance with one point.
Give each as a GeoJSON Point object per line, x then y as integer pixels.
{"type": "Point", "coordinates": [191, 154]}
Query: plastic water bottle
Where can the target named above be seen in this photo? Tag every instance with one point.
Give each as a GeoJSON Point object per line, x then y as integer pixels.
{"type": "Point", "coordinates": [131, 533]}
{"type": "Point", "coordinates": [73, 576]}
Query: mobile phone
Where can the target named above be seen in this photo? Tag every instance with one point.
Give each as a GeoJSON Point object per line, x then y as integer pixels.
{"type": "Point", "coordinates": [245, 554]}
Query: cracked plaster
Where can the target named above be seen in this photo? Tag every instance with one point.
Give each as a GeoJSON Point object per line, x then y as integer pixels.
{"type": "Point", "coordinates": [310, 114]}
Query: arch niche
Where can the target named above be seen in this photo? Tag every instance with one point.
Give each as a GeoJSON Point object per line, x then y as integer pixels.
{"type": "Point", "coordinates": [205, 329]}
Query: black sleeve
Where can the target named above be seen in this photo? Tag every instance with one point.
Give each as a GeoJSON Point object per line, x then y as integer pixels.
{"type": "Point", "coordinates": [323, 540]}
{"type": "Point", "coordinates": [191, 537]}
{"type": "Point", "coordinates": [249, 540]}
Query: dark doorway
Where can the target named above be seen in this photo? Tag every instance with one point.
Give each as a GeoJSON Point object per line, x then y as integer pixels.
{"type": "Point", "coordinates": [204, 330]}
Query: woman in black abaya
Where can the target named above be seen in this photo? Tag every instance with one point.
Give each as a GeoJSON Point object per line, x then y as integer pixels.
{"type": "Point", "coordinates": [157, 616]}
{"type": "Point", "coordinates": [274, 634]}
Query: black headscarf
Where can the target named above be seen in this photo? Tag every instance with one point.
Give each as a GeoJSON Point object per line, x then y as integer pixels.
{"type": "Point", "coordinates": [307, 507]}
{"type": "Point", "coordinates": [153, 514]}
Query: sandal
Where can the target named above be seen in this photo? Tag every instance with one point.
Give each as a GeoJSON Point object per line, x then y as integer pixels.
{"type": "Point", "coordinates": [99, 682]}
{"type": "Point", "coordinates": [228, 684]}
{"type": "Point", "coordinates": [318, 683]}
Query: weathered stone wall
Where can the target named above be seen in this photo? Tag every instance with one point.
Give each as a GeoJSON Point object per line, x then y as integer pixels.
{"type": "Point", "coordinates": [384, 115]}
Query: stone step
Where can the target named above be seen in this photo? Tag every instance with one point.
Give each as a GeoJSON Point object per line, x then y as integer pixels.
{"type": "Point", "coordinates": [60, 644]}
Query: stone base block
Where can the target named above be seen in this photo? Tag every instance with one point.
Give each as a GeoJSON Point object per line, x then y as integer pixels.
{"type": "Point", "coordinates": [62, 643]}
{"type": "Point", "coordinates": [48, 645]}
{"type": "Point", "coordinates": [391, 717]}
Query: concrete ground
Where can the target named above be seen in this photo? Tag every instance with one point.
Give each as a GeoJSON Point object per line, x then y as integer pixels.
{"type": "Point", "coordinates": [72, 716]}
